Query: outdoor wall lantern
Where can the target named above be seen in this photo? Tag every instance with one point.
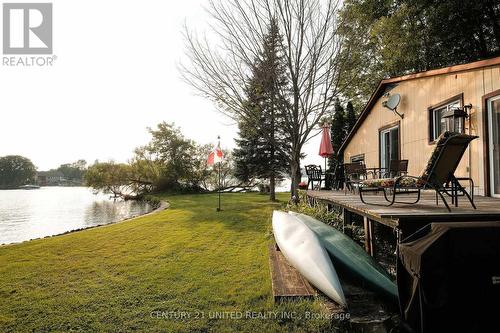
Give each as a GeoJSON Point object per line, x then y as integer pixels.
{"type": "Point", "coordinates": [392, 104]}
{"type": "Point", "coordinates": [457, 115]}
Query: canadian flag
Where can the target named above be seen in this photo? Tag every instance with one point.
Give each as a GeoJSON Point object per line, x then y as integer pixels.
{"type": "Point", "coordinates": [215, 156]}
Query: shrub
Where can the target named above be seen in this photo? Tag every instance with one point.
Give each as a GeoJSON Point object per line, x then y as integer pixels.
{"type": "Point", "coordinates": [332, 217]}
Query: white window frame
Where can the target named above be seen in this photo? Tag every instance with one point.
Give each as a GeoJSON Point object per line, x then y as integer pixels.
{"type": "Point", "coordinates": [489, 104]}
{"type": "Point", "coordinates": [383, 162]}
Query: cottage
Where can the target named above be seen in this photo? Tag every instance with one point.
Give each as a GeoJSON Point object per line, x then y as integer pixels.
{"type": "Point", "coordinates": [463, 98]}
{"type": "Point", "coordinates": [50, 178]}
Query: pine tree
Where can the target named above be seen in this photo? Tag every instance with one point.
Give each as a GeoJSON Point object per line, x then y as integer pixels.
{"type": "Point", "coordinates": [350, 117]}
{"type": "Point", "coordinates": [263, 146]}
{"type": "Point", "coordinates": [244, 154]}
{"type": "Point", "coordinates": [337, 133]}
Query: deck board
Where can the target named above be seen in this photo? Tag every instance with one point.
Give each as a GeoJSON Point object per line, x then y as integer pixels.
{"type": "Point", "coordinates": [287, 282]}
{"type": "Point", "coordinates": [487, 208]}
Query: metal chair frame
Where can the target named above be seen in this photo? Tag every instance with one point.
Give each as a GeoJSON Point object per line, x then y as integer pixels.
{"type": "Point", "coordinates": [314, 174]}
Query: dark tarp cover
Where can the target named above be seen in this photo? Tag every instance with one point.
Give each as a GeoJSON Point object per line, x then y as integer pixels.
{"type": "Point", "coordinates": [449, 278]}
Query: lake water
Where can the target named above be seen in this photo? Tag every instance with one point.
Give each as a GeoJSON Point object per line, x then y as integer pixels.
{"type": "Point", "coordinates": [30, 214]}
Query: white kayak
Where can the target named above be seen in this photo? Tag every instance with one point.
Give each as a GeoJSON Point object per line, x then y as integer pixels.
{"type": "Point", "coordinates": [303, 250]}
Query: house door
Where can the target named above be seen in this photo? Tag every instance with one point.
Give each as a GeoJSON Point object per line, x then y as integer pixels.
{"type": "Point", "coordinates": [494, 144]}
{"type": "Point", "coordinates": [389, 146]}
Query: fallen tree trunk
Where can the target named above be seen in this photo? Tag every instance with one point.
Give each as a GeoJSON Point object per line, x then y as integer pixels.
{"type": "Point", "coordinates": [236, 188]}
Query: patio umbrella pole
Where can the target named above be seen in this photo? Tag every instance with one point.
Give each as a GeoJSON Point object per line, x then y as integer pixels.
{"type": "Point", "coordinates": [325, 148]}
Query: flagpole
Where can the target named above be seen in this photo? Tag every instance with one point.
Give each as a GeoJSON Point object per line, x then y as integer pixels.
{"type": "Point", "coordinates": [220, 162]}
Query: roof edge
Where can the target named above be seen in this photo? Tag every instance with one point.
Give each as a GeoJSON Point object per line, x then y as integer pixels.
{"type": "Point", "coordinates": [446, 70]}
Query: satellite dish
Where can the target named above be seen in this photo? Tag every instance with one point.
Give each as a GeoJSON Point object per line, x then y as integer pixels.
{"type": "Point", "coordinates": [393, 102]}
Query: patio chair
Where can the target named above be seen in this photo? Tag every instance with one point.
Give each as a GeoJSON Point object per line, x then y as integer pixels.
{"type": "Point", "coordinates": [438, 175]}
{"type": "Point", "coordinates": [396, 168]}
{"type": "Point", "coordinates": [314, 174]}
{"type": "Point", "coordinates": [337, 178]}
{"type": "Point", "coordinates": [354, 173]}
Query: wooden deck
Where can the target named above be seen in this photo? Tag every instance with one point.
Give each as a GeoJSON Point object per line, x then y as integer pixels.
{"type": "Point", "coordinates": [287, 282]}
{"type": "Point", "coordinates": [406, 217]}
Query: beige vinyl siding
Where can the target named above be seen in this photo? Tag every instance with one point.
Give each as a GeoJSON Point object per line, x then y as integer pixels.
{"type": "Point", "coordinates": [417, 95]}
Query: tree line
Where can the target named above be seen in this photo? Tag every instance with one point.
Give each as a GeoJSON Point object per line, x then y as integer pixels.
{"type": "Point", "coordinates": [386, 38]}
{"type": "Point", "coordinates": [170, 162]}
{"type": "Point", "coordinates": [16, 170]}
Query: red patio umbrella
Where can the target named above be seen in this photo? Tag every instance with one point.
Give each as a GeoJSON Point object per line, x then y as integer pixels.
{"type": "Point", "coordinates": [325, 148]}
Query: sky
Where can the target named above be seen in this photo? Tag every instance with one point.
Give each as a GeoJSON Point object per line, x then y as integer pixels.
{"type": "Point", "coordinates": [115, 74]}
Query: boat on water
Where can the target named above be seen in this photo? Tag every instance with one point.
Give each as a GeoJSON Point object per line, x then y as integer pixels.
{"type": "Point", "coordinates": [29, 187]}
{"type": "Point", "coordinates": [346, 253]}
{"type": "Point", "coordinates": [303, 250]}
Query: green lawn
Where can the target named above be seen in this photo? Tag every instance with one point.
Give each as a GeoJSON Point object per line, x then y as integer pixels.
{"type": "Point", "coordinates": [141, 274]}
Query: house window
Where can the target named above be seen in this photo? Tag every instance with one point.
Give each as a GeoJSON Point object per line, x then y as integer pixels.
{"type": "Point", "coordinates": [358, 158]}
{"type": "Point", "coordinates": [439, 124]}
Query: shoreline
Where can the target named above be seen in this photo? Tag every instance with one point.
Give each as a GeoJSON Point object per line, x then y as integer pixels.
{"type": "Point", "coordinates": [163, 206]}
{"type": "Point", "coordinates": [39, 187]}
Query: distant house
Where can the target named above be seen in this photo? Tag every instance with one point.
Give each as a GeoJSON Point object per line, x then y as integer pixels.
{"type": "Point", "coordinates": [433, 102]}
{"type": "Point", "coordinates": [50, 178]}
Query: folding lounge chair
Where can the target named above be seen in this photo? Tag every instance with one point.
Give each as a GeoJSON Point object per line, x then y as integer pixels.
{"type": "Point", "coordinates": [437, 176]}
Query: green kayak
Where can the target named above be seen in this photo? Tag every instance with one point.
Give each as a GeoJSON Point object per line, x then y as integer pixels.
{"type": "Point", "coordinates": [352, 257]}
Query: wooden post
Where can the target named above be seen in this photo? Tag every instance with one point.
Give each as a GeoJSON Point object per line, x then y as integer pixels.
{"type": "Point", "coordinates": [367, 223]}
{"type": "Point", "coordinates": [367, 234]}
{"type": "Point", "coordinates": [372, 236]}
{"type": "Point", "coordinates": [346, 220]}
